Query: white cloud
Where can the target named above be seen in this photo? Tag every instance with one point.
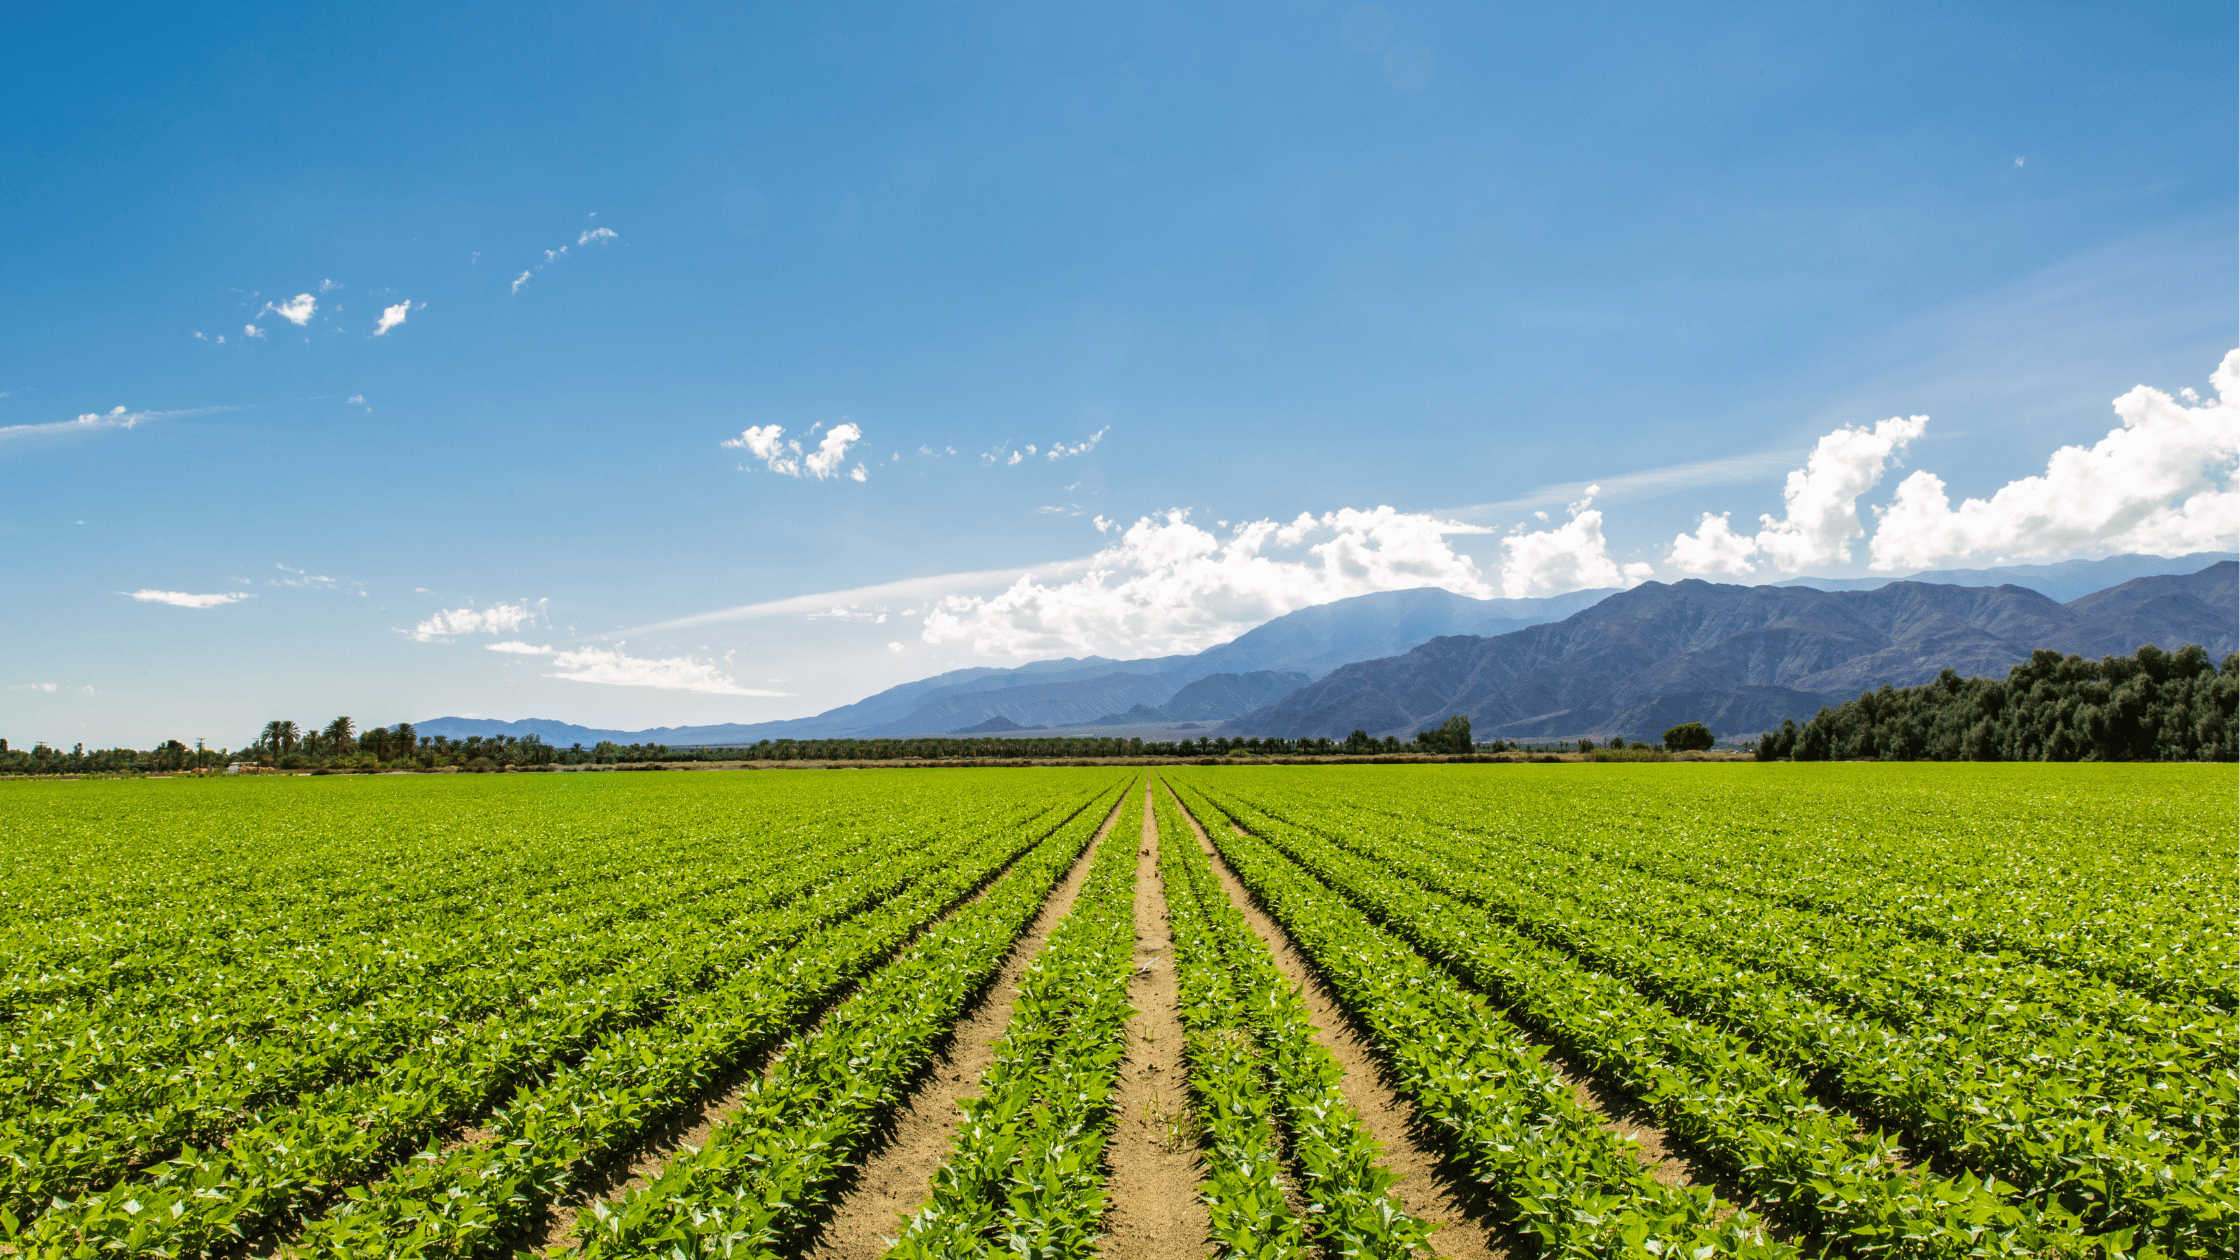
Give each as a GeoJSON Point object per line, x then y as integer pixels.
{"type": "Point", "coordinates": [1821, 514]}
{"type": "Point", "coordinates": [589, 236]}
{"type": "Point", "coordinates": [496, 619]}
{"type": "Point", "coordinates": [1570, 557]}
{"type": "Point", "coordinates": [2162, 483]}
{"type": "Point", "coordinates": [359, 400]}
{"type": "Point", "coordinates": [768, 443]}
{"type": "Point", "coordinates": [329, 286]}
{"type": "Point", "coordinates": [1169, 586]}
{"type": "Point", "coordinates": [296, 310]}
{"type": "Point", "coordinates": [49, 688]}
{"type": "Point", "coordinates": [317, 581]}
{"type": "Point", "coordinates": [613, 667]}
{"type": "Point", "coordinates": [1062, 451]}
{"type": "Point", "coordinates": [391, 316]}
{"type": "Point", "coordinates": [114, 418]}
{"type": "Point", "coordinates": [894, 647]}
{"type": "Point", "coordinates": [251, 330]}
{"type": "Point", "coordinates": [181, 599]}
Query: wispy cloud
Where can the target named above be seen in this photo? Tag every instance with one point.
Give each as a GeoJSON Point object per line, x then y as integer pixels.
{"type": "Point", "coordinates": [616, 668]}
{"type": "Point", "coordinates": [1726, 470]}
{"type": "Point", "coordinates": [1063, 451]}
{"type": "Point", "coordinates": [251, 330]}
{"type": "Point", "coordinates": [93, 421]}
{"type": "Point", "coordinates": [588, 237]}
{"type": "Point", "coordinates": [768, 443]}
{"type": "Point", "coordinates": [902, 591]}
{"type": "Point", "coordinates": [391, 316]}
{"type": "Point", "coordinates": [182, 599]}
{"type": "Point", "coordinates": [299, 578]}
{"type": "Point", "coordinates": [49, 688]}
{"type": "Point", "coordinates": [500, 618]}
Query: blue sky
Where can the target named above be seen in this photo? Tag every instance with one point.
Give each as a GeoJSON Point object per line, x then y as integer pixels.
{"type": "Point", "coordinates": [1462, 262]}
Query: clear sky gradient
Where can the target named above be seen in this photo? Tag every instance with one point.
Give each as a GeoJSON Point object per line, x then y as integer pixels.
{"type": "Point", "coordinates": [1243, 262]}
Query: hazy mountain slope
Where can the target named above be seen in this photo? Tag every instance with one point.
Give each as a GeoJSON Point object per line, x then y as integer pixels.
{"type": "Point", "coordinates": [1066, 703]}
{"type": "Point", "coordinates": [2062, 581]}
{"type": "Point", "coordinates": [1736, 655]}
{"type": "Point", "coordinates": [1217, 696]}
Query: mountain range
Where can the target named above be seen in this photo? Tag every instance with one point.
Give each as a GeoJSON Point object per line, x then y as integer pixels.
{"type": "Point", "coordinates": [1740, 658]}
{"type": "Point", "coordinates": [1084, 694]}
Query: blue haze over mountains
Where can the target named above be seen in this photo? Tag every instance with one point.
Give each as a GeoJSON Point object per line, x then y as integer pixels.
{"type": "Point", "coordinates": [1596, 662]}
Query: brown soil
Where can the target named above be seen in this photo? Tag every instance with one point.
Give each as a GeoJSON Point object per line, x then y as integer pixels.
{"type": "Point", "coordinates": [1428, 1185]}
{"type": "Point", "coordinates": [894, 1181]}
{"type": "Point", "coordinates": [692, 1127]}
{"type": "Point", "coordinates": [1156, 1213]}
{"type": "Point", "coordinates": [1669, 1161]}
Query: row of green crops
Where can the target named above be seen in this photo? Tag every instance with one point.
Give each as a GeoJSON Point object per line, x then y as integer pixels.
{"type": "Point", "coordinates": [1883, 1078]}
{"type": "Point", "coordinates": [1026, 1173]}
{"type": "Point", "coordinates": [400, 987]}
{"type": "Point", "coordinates": [767, 1172]}
{"type": "Point", "coordinates": [1508, 1118]}
{"type": "Point", "coordinates": [1267, 1093]}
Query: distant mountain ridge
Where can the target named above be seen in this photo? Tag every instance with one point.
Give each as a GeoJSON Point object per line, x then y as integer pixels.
{"type": "Point", "coordinates": [1312, 641]}
{"type": "Point", "coordinates": [1740, 658]}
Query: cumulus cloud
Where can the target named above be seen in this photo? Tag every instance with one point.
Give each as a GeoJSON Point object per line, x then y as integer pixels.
{"type": "Point", "coordinates": [296, 310]}
{"type": "Point", "coordinates": [768, 443]}
{"type": "Point", "coordinates": [616, 668]}
{"type": "Point", "coordinates": [1821, 507]}
{"type": "Point", "coordinates": [1573, 556]}
{"type": "Point", "coordinates": [496, 619]}
{"type": "Point", "coordinates": [2161, 483]}
{"type": "Point", "coordinates": [182, 599]}
{"type": "Point", "coordinates": [1170, 586]}
{"type": "Point", "coordinates": [251, 330]}
{"type": "Point", "coordinates": [391, 316]}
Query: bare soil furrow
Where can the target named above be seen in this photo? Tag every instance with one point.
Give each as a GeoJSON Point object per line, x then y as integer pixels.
{"type": "Point", "coordinates": [1156, 1213]}
{"type": "Point", "coordinates": [1429, 1186]}
{"type": "Point", "coordinates": [692, 1127]}
{"type": "Point", "coordinates": [896, 1177]}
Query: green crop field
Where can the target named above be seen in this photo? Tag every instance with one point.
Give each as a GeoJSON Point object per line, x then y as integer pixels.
{"type": "Point", "coordinates": [1860, 1010]}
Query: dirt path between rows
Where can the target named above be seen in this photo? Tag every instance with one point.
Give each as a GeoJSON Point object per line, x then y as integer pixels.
{"type": "Point", "coordinates": [896, 1179]}
{"type": "Point", "coordinates": [1156, 1213]}
{"type": "Point", "coordinates": [693, 1127]}
{"type": "Point", "coordinates": [1668, 1161]}
{"type": "Point", "coordinates": [1428, 1187]}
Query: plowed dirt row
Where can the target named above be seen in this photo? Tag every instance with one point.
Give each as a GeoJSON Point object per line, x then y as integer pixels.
{"type": "Point", "coordinates": [1156, 1213]}
{"type": "Point", "coordinates": [693, 1127]}
{"type": "Point", "coordinates": [897, 1177]}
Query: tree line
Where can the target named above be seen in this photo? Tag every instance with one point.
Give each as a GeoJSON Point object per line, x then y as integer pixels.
{"type": "Point", "coordinates": [339, 746]}
{"type": "Point", "coordinates": [2150, 706]}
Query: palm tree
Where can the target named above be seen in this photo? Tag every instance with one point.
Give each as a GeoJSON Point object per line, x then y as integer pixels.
{"type": "Point", "coordinates": [279, 737]}
{"type": "Point", "coordinates": [339, 734]}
